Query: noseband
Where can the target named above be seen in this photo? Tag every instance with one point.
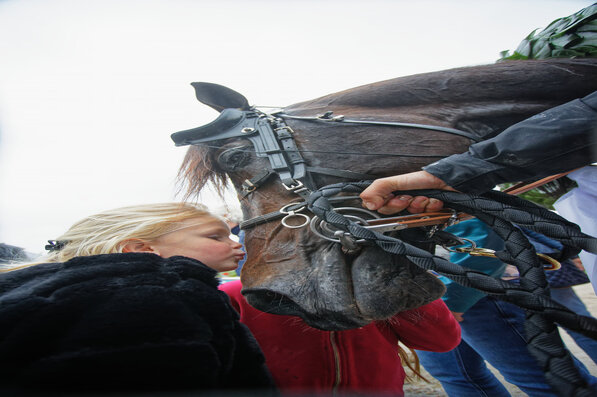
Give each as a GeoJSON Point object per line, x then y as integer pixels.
{"type": "Point", "coordinates": [271, 137]}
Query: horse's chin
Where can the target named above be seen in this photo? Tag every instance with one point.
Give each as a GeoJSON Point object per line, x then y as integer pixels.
{"type": "Point", "coordinates": [384, 285]}
{"type": "Point", "coordinates": [344, 294]}
{"type": "Point", "coordinates": [276, 303]}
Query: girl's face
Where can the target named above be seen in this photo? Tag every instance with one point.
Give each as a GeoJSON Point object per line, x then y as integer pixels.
{"type": "Point", "coordinates": [205, 239]}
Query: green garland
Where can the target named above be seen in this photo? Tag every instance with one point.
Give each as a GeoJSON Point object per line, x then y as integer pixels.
{"type": "Point", "coordinates": [574, 36]}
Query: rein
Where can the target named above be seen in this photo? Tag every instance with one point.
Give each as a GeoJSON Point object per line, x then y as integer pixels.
{"type": "Point", "coordinates": [500, 211]}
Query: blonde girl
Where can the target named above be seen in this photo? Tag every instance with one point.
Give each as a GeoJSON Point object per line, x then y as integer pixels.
{"type": "Point", "coordinates": [127, 300]}
{"type": "Point", "coordinates": [156, 228]}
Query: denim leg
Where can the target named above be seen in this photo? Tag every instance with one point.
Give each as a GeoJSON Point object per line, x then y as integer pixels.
{"type": "Point", "coordinates": [495, 329]}
{"type": "Point", "coordinates": [462, 373]}
{"type": "Point", "coordinates": [568, 298]}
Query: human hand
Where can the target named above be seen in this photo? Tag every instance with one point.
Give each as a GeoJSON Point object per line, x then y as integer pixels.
{"type": "Point", "coordinates": [378, 196]}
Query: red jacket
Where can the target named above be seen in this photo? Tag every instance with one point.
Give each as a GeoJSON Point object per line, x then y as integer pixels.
{"type": "Point", "coordinates": [306, 359]}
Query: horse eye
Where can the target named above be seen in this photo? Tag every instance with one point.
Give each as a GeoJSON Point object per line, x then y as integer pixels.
{"type": "Point", "coordinates": [234, 158]}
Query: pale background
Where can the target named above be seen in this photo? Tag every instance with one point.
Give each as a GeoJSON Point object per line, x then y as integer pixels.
{"type": "Point", "coordinates": [90, 91]}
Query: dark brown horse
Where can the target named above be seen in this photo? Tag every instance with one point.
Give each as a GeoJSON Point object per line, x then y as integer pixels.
{"type": "Point", "coordinates": [294, 271]}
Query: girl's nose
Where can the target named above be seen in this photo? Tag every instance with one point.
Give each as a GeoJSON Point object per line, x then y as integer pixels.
{"type": "Point", "coordinates": [235, 244]}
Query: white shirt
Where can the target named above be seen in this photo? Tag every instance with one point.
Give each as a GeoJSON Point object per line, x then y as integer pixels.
{"type": "Point", "coordinates": [580, 206]}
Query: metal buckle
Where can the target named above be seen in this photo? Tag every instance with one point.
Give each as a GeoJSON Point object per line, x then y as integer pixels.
{"type": "Point", "coordinates": [293, 187]}
{"type": "Point", "coordinates": [298, 188]}
{"type": "Point", "coordinates": [328, 116]}
{"type": "Point", "coordinates": [248, 186]}
{"type": "Point", "coordinates": [287, 128]}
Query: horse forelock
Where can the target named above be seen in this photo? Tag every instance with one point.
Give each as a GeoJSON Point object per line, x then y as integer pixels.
{"type": "Point", "coordinates": [198, 169]}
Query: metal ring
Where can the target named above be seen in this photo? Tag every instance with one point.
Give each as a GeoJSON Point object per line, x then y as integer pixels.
{"type": "Point", "coordinates": [472, 243]}
{"type": "Point", "coordinates": [283, 209]}
{"type": "Point", "coordinates": [357, 209]}
{"type": "Point", "coordinates": [317, 228]}
{"type": "Point", "coordinates": [293, 214]}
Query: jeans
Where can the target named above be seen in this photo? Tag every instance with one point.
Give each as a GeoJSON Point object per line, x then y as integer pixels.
{"type": "Point", "coordinates": [492, 330]}
{"type": "Point", "coordinates": [568, 298]}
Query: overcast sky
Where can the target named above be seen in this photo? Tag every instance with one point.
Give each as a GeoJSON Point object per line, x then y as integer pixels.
{"type": "Point", "coordinates": [90, 91]}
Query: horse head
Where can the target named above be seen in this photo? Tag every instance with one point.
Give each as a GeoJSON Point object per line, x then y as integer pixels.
{"type": "Point", "coordinates": [275, 160]}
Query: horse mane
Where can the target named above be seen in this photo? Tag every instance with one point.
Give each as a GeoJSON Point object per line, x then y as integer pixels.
{"type": "Point", "coordinates": [502, 81]}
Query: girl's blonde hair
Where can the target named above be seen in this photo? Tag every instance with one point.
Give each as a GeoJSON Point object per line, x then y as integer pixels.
{"type": "Point", "coordinates": [105, 233]}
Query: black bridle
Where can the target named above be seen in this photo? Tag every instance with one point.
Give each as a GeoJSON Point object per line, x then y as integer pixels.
{"type": "Point", "coordinates": [271, 137]}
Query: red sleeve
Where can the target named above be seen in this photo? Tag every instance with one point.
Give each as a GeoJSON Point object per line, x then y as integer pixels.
{"type": "Point", "coordinates": [430, 327]}
{"type": "Point", "coordinates": [232, 289]}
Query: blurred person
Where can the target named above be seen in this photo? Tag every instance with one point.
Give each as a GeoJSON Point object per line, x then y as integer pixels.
{"type": "Point", "coordinates": [493, 330]}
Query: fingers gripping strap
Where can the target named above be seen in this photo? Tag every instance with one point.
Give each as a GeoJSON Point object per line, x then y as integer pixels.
{"type": "Point", "coordinates": [500, 211]}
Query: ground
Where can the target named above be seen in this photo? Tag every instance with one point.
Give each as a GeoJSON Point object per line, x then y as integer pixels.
{"type": "Point", "coordinates": [432, 389]}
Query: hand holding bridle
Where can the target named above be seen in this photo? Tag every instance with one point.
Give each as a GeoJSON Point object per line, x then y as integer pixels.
{"type": "Point", "coordinates": [378, 196]}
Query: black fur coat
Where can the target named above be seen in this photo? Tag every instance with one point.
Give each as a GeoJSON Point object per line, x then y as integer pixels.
{"type": "Point", "coordinates": [123, 322]}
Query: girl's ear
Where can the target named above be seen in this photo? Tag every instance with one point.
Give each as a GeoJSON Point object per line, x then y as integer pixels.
{"type": "Point", "coordinates": [136, 245]}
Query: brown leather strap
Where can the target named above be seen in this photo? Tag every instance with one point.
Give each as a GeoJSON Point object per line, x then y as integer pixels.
{"type": "Point", "coordinates": [523, 187]}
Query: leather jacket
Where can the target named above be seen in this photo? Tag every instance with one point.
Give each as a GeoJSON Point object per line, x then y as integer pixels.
{"type": "Point", "coordinates": [557, 140]}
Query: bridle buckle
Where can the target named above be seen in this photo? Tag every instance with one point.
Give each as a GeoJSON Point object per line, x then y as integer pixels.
{"type": "Point", "coordinates": [295, 187]}
{"type": "Point", "coordinates": [248, 186]}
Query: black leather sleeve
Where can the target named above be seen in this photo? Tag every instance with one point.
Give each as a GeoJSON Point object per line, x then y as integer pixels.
{"type": "Point", "coordinates": [557, 140]}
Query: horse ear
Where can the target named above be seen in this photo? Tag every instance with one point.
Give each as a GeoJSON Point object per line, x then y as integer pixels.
{"type": "Point", "coordinates": [220, 97]}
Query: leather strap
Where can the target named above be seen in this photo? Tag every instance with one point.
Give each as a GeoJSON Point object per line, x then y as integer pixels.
{"type": "Point", "coordinates": [250, 185]}
{"type": "Point", "coordinates": [327, 117]}
{"type": "Point", "coordinates": [341, 173]}
{"type": "Point", "coordinates": [524, 187]}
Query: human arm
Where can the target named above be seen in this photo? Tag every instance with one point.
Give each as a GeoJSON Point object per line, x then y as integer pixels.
{"type": "Point", "coordinates": [557, 140]}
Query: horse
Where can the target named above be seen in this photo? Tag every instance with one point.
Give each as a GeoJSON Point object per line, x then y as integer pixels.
{"type": "Point", "coordinates": [295, 266]}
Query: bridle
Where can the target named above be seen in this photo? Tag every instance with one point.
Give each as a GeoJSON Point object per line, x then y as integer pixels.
{"type": "Point", "coordinates": [271, 137]}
